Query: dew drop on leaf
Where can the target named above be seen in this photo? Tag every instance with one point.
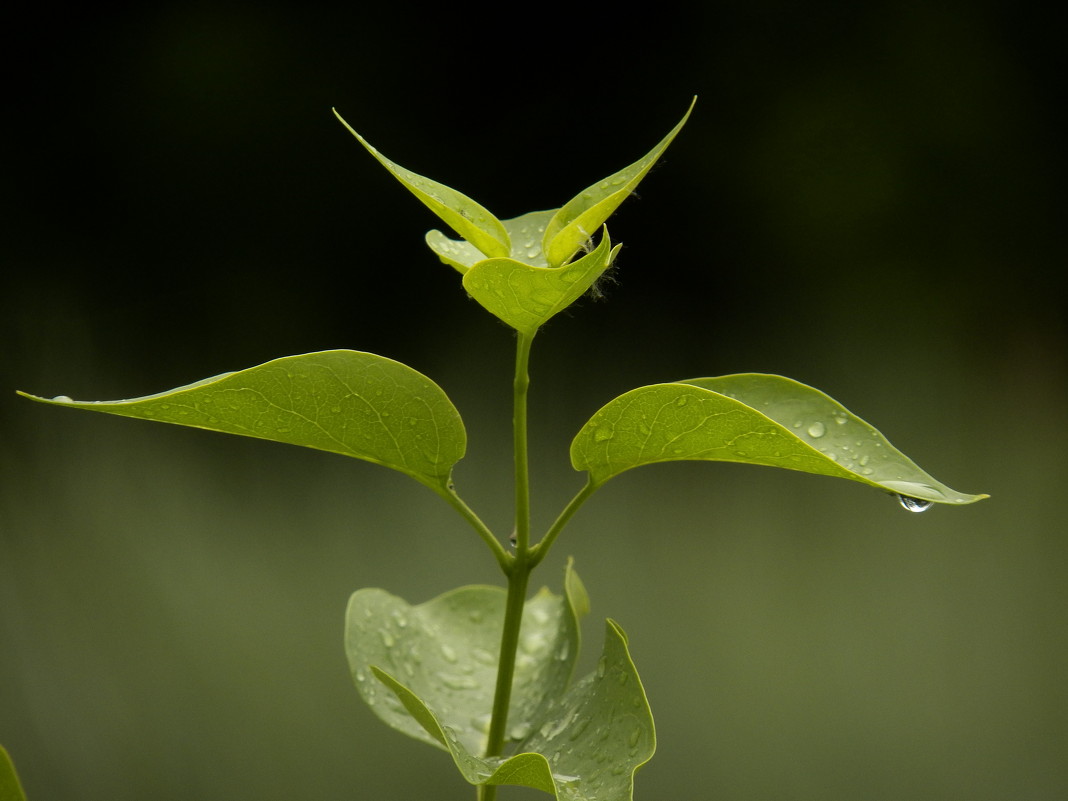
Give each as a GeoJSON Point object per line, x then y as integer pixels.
{"type": "Point", "coordinates": [914, 504]}
{"type": "Point", "coordinates": [603, 433]}
{"type": "Point", "coordinates": [63, 398]}
{"type": "Point", "coordinates": [817, 430]}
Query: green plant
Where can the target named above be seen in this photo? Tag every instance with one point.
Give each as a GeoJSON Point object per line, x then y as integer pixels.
{"type": "Point", "coordinates": [485, 673]}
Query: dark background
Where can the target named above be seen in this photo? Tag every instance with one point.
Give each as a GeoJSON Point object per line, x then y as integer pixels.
{"type": "Point", "coordinates": [868, 198]}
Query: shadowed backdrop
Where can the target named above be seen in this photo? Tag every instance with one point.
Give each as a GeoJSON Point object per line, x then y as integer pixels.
{"type": "Point", "coordinates": [866, 199]}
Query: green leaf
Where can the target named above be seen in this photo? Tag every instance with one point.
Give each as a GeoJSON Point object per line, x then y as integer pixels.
{"type": "Point", "coordinates": [10, 787]}
{"type": "Point", "coordinates": [445, 652]}
{"type": "Point", "coordinates": [343, 401]}
{"type": "Point", "coordinates": [466, 217]}
{"type": "Point", "coordinates": [525, 297]}
{"type": "Point", "coordinates": [579, 218]}
{"type": "Point", "coordinates": [751, 418]}
{"type": "Point", "coordinates": [524, 233]}
{"type": "Point", "coordinates": [590, 742]}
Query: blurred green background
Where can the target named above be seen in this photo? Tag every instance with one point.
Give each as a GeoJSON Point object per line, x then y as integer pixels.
{"type": "Point", "coordinates": [868, 198]}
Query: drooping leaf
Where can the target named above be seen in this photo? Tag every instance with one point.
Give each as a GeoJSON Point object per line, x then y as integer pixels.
{"type": "Point", "coordinates": [466, 217]}
{"type": "Point", "coordinates": [580, 217]}
{"type": "Point", "coordinates": [10, 787]}
{"type": "Point", "coordinates": [445, 652]}
{"type": "Point", "coordinates": [588, 745]}
{"type": "Point", "coordinates": [343, 401]}
{"type": "Point", "coordinates": [525, 297]}
{"type": "Point", "coordinates": [754, 419]}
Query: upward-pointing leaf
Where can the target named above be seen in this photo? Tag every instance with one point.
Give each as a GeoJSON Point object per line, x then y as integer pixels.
{"type": "Point", "coordinates": [750, 418]}
{"type": "Point", "coordinates": [583, 215]}
{"type": "Point", "coordinates": [466, 217]}
{"type": "Point", "coordinates": [342, 401]}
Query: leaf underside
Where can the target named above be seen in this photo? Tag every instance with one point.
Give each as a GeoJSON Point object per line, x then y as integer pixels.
{"type": "Point", "coordinates": [343, 401]}
{"type": "Point", "coordinates": [754, 419]}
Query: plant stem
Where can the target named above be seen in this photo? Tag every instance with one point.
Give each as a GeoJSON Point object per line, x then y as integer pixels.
{"type": "Point", "coordinates": [520, 387]}
{"type": "Point", "coordinates": [539, 551]}
{"type": "Point", "coordinates": [519, 567]}
{"type": "Point", "coordinates": [504, 559]}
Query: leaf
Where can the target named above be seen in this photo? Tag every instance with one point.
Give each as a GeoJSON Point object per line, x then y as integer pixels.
{"type": "Point", "coordinates": [524, 232]}
{"type": "Point", "coordinates": [751, 418]}
{"type": "Point", "coordinates": [343, 401]}
{"type": "Point", "coordinates": [590, 743]}
{"type": "Point", "coordinates": [444, 654]}
{"type": "Point", "coordinates": [580, 217]}
{"type": "Point", "coordinates": [10, 787]}
{"type": "Point", "coordinates": [466, 217]}
{"type": "Point", "coordinates": [526, 297]}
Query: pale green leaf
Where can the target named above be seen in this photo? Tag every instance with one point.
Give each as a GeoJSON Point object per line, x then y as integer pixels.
{"type": "Point", "coordinates": [573, 224]}
{"type": "Point", "coordinates": [587, 746]}
{"type": "Point", "coordinates": [466, 217]}
{"type": "Point", "coordinates": [754, 419]}
{"type": "Point", "coordinates": [524, 232]}
{"type": "Point", "coordinates": [444, 653]}
{"type": "Point", "coordinates": [526, 297]}
{"type": "Point", "coordinates": [10, 787]}
{"type": "Point", "coordinates": [343, 401]}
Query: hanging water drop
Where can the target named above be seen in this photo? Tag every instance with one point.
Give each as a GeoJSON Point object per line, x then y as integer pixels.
{"type": "Point", "coordinates": [915, 504]}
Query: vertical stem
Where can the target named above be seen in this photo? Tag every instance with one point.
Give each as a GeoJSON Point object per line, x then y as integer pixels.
{"type": "Point", "coordinates": [520, 386]}
{"type": "Point", "coordinates": [518, 571]}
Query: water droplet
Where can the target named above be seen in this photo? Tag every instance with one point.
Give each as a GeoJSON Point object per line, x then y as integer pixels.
{"type": "Point", "coordinates": [682, 401]}
{"type": "Point", "coordinates": [387, 639]}
{"type": "Point", "coordinates": [448, 652]}
{"type": "Point", "coordinates": [519, 731]}
{"type": "Point", "coordinates": [458, 682]}
{"type": "Point", "coordinates": [817, 430]}
{"type": "Point", "coordinates": [915, 504]}
{"type": "Point", "coordinates": [63, 398]}
{"type": "Point", "coordinates": [603, 432]}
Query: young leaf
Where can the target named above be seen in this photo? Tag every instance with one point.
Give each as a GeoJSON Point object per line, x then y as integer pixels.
{"type": "Point", "coordinates": [580, 217]}
{"type": "Point", "coordinates": [525, 297]}
{"type": "Point", "coordinates": [444, 654]}
{"type": "Point", "coordinates": [750, 418]}
{"type": "Point", "coordinates": [343, 401]}
{"type": "Point", "coordinates": [588, 745]}
{"type": "Point", "coordinates": [10, 787]}
{"type": "Point", "coordinates": [525, 233]}
{"type": "Point", "coordinates": [466, 217]}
